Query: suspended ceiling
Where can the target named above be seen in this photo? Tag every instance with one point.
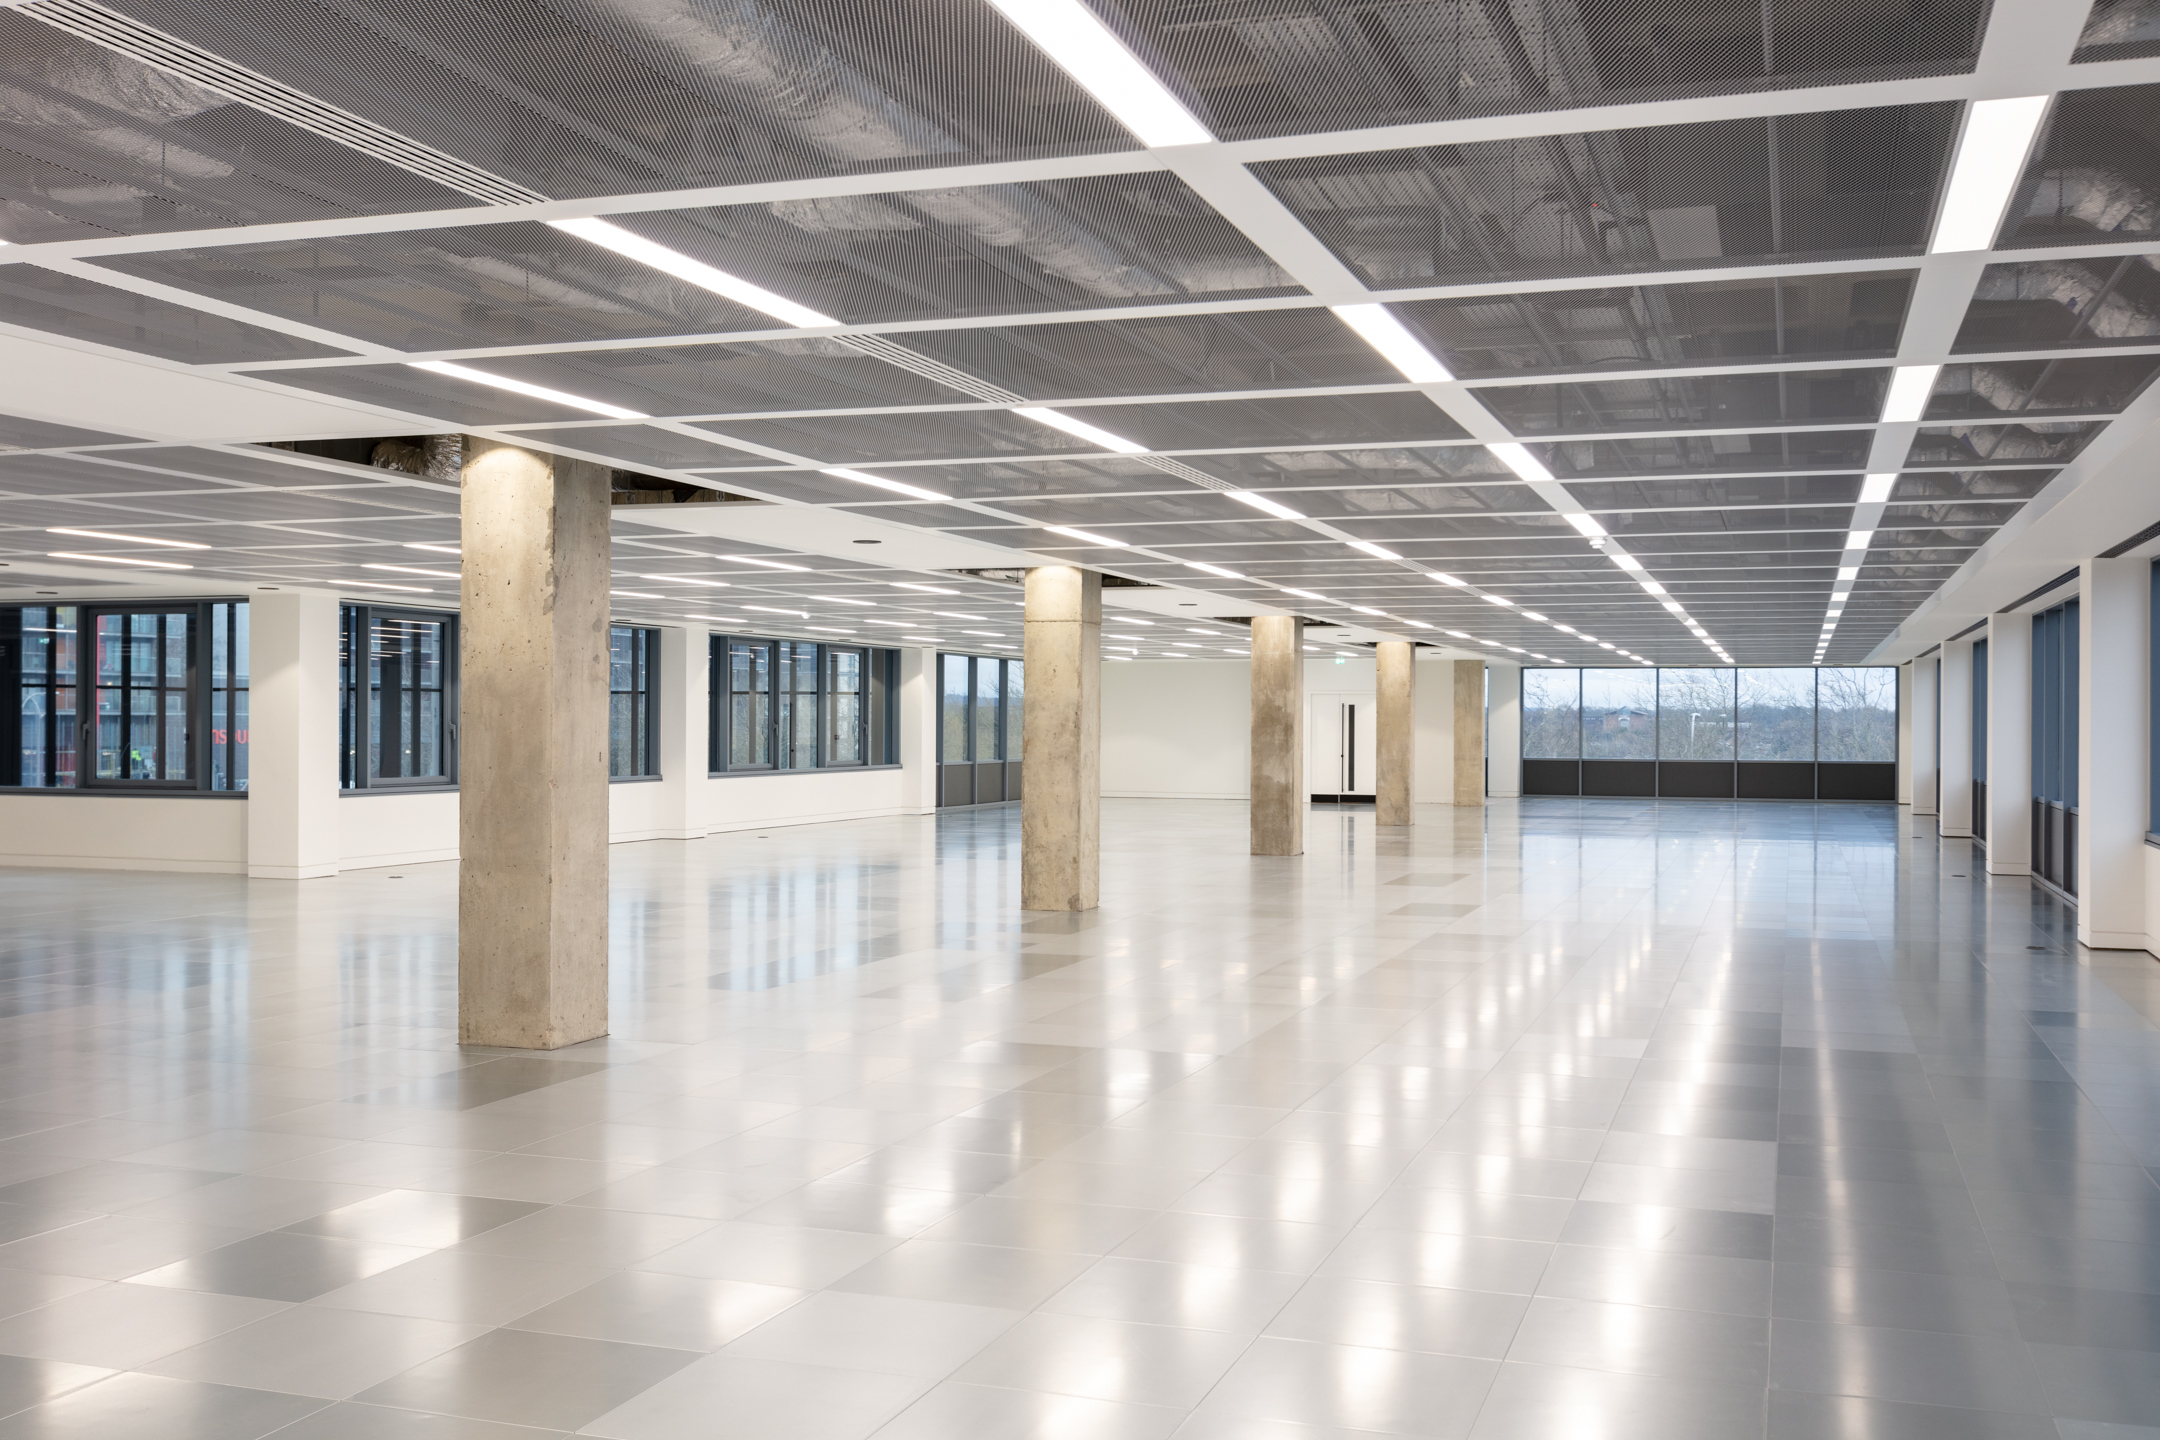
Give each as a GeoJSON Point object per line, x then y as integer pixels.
{"type": "Point", "coordinates": [1676, 255]}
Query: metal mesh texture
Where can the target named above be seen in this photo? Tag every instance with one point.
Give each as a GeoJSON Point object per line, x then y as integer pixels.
{"type": "Point", "coordinates": [867, 439]}
{"type": "Point", "coordinates": [61, 304]}
{"type": "Point", "coordinates": [18, 433]}
{"type": "Point", "coordinates": [82, 477]}
{"type": "Point", "coordinates": [1716, 323]}
{"type": "Point", "coordinates": [1375, 466]}
{"type": "Point", "coordinates": [1163, 355]}
{"type": "Point", "coordinates": [1848, 183]}
{"type": "Point", "coordinates": [1747, 490]}
{"type": "Point", "coordinates": [92, 142]}
{"type": "Point", "coordinates": [2096, 172]}
{"type": "Point", "coordinates": [1967, 445]}
{"type": "Point", "coordinates": [1765, 398]}
{"type": "Point", "coordinates": [517, 284]}
{"type": "Point", "coordinates": [1079, 475]}
{"type": "Point", "coordinates": [1277, 420]}
{"type": "Point", "coordinates": [2091, 385]}
{"type": "Point", "coordinates": [1969, 484]}
{"type": "Point", "coordinates": [2113, 300]}
{"type": "Point", "coordinates": [1729, 454]}
{"type": "Point", "coordinates": [646, 445]}
{"type": "Point", "coordinates": [591, 97]}
{"type": "Point", "coordinates": [980, 250]}
{"type": "Point", "coordinates": [2118, 30]}
{"type": "Point", "coordinates": [1255, 67]}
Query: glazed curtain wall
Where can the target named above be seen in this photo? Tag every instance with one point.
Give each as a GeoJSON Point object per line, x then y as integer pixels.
{"type": "Point", "coordinates": [1711, 733]}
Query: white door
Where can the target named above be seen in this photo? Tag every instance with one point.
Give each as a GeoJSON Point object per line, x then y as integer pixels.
{"type": "Point", "coordinates": [1339, 743]}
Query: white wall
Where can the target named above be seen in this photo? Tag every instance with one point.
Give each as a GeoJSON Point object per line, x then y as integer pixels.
{"type": "Point", "coordinates": [1182, 729]}
{"type": "Point", "coordinates": [205, 835]}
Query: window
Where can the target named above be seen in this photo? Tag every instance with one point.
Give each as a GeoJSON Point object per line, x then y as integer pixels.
{"type": "Point", "coordinates": [802, 705]}
{"type": "Point", "coordinates": [1777, 714]}
{"type": "Point", "coordinates": [2152, 709]}
{"type": "Point", "coordinates": [2055, 705]}
{"type": "Point", "coordinates": [979, 708]}
{"type": "Point", "coordinates": [1695, 714]}
{"type": "Point", "coordinates": [397, 702]}
{"type": "Point", "coordinates": [633, 656]}
{"type": "Point", "coordinates": [1619, 714]}
{"type": "Point", "coordinates": [1552, 714]}
{"type": "Point", "coordinates": [162, 707]}
{"type": "Point", "coordinates": [1856, 714]}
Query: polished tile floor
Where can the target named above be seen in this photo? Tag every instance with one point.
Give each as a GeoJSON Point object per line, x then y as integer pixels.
{"type": "Point", "coordinates": [1589, 1120]}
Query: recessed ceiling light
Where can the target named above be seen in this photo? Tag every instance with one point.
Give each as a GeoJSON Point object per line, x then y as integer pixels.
{"type": "Point", "coordinates": [1858, 539]}
{"type": "Point", "coordinates": [1990, 158]}
{"type": "Point", "coordinates": [1876, 489]}
{"type": "Point", "coordinates": [1367, 610]}
{"type": "Point", "coordinates": [1079, 429]}
{"type": "Point", "coordinates": [1587, 524]}
{"type": "Point", "coordinates": [1449, 580]}
{"type": "Point", "coordinates": [385, 585]}
{"type": "Point", "coordinates": [843, 600]}
{"type": "Point", "coordinates": [633, 595]}
{"type": "Point", "coordinates": [1386, 334]}
{"type": "Point", "coordinates": [124, 539]}
{"type": "Point", "coordinates": [520, 387]}
{"type": "Point", "coordinates": [1085, 537]}
{"type": "Point", "coordinates": [1086, 49]}
{"type": "Point", "coordinates": [1213, 569]}
{"type": "Point", "coordinates": [958, 615]}
{"type": "Point", "coordinates": [768, 564]}
{"type": "Point", "coordinates": [1261, 502]}
{"type": "Point", "coordinates": [925, 589]}
{"type": "Point", "coordinates": [1496, 600]}
{"type": "Point", "coordinates": [1910, 386]}
{"type": "Point", "coordinates": [118, 560]}
{"type": "Point", "coordinates": [883, 484]}
{"type": "Point", "coordinates": [774, 610]}
{"type": "Point", "coordinates": [1371, 549]}
{"type": "Point", "coordinates": [413, 570]}
{"type": "Point", "coordinates": [688, 580]}
{"type": "Point", "coordinates": [1305, 594]}
{"type": "Point", "coordinates": [1131, 620]}
{"type": "Point", "coordinates": [646, 252]}
{"type": "Point", "coordinates": [1521, 461]}
{"type": "Point", "coordinates": [438, 549]}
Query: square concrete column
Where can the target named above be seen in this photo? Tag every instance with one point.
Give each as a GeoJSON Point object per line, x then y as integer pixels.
{"type": "Point", "coordinates": [1926, 680]}
{"type": "Point", "coordinates": [2114, 639]}
{"type": "Point", "coordinates": [1061, 741]}
{"type": "Point", "coordinates": [1503, 732]}
{"type": "Point", "coordinates": [1954, 757]}
{"type": "Point", "coordinates": [292, 735]}
{"type": "Point", "coordinates": [1278, 736]}
{"type": "Point", "coordinates": [2009, 745]}
{"type": "Point", "coordinates": [533, 750]}
{"type": "Point", "coordinates": [1469, 732]}
{"type": "Point", "coordinates": [684, 672]}
{"type": "Point", "coordinates": [1395, 732]}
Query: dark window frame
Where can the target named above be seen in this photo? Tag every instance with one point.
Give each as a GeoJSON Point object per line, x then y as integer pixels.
{"type": "Point", "coordinates": [356, 696]}
{"type": "Point", "coordinates": [644, 693]}
{"type": "Point", "coordinates": [199, 689]}
{"type": "Point", "coordinates": [877, 726]}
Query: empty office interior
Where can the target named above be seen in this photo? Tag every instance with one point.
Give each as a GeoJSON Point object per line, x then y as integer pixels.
{"type": "Point", "coordinates": [1080, 719]}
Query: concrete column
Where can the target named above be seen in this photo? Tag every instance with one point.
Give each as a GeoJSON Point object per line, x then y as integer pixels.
{"type": "Point", "coordinates": [1061, 741]}
{"type": "Point", "coordinates": [1905, 675]}
{"type": "Point", "coordinates": [292, 735]}
{"type": "Point", "coordinates": [1925, 762]}
{"type": "Point", "coordinates": [918, 732]}
{"type": "Point", "coordinates": [684, 672]}
{"type": "Point", "coordinates": [1503, 737]}
{"type": "Point", "coordinates": [2009, 745]}
{"type": "Point", "coordinates": [1954, 757]}
{"type": "Point", "coordinates": [2114, 655]}
{"type": "Point", "coordinates": [533, 750]}
{"type": "Point", "coordinates": [1395, 728]}
{"type": "Point", "coordinates": [1279, 795]}
{"type": "Point", "coordinates": [1469, 732]}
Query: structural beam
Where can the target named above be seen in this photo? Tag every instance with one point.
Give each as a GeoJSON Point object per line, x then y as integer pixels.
{"type": "Point", "coordinates": [1061, 741]}
{"type": "Point", "coordinates": [533, 750]}
{"type": "Point", "coordinates": [1278, 736]}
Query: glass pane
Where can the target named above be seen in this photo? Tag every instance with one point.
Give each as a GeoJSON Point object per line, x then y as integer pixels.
{"type": "Point", "coordinates": [1619, 714]}
{"type": "Point", "coordinates": [1777, 714]}
{"type": "Point", "coordinates": [986, 709]}
{"type": "Point", "coordinates": [1695, 714]}
{"type": "Point", "coordinates": [953, 709]}
{"type": "Point", "coordinates": [1552, 714]}
{"type": "Point", "coordinates": [619, 737]}
{"type": "Point", "coordinates": [405, 720]}
{"type": "Point", "coordinates": [1857, 711]}
{"type": "Point", "coordinates": [844, 707]}
{"type": "Point", "coordinates": [1015, 707]}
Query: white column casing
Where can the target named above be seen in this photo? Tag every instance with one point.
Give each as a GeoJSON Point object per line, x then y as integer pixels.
{"type": "Point", "coordinates": [1905, 675]}
{"type": "Point", "coordinates": [918, 732]}
{"type": "Point", "coordinates": [681, 684]}
{"type": "Point", "coordinates": [2114, 657]}
{"type": "Point", "coordinates": [292, 800]}
{"type": "Point", "coordinates": [1503, 732]}
{"type": "Point", "coordinates": [1925, 761]}
{"type": "Point", "coordinates": [1953, 767]}
{"type": "Point", "coordinates": [2009, 745]}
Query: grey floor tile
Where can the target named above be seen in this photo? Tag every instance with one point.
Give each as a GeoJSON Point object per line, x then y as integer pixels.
{"type": "Point", "coordinates": [1894, 1299]}
{"type": "Point", "coordinates": [1683, 1344]}
{"type": "Point", "coordinates": [150, 1407]}
{"type": "Point", "coordinates": [2091, 1383]}
{"type": "Point", "coordinates": [280, 1266]}
{"type": "Point", "coordinates": [520, 1377]}
{"type": "Point", "coordinates": [1920, 1367]}
{"type": "Point", "coordinates": [643, 1307]}
{"type": "Point", "coordinates": [1352, 1389]}
{"type": "Point", "coordinates": [348, 1420]}
{"type": "Point", "coordinates": [310, 1351]}
{"type": "Point", "coordinates": [1535, 1402]}
{"type": "Point", "coordinates": [1796, 1415]}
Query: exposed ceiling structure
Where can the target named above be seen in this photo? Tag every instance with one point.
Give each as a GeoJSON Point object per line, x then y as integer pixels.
{"type": "Point", "coordinates": [1675, 331]}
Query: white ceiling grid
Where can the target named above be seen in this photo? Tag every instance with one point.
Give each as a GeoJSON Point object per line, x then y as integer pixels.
{"type": "Point", "coordinates": [1359, 512]}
